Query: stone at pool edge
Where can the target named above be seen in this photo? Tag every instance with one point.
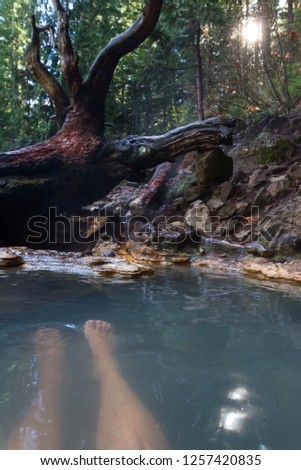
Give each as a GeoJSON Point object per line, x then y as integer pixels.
{"type": "Point", "coordinates": [10, 260]}
{"type": "Point", "coordinates": [124, 270]}
{"type": "Point", "coordinates": [117, 267]}
{"type": "Point", "coordinates": [141, 252]}
{"type": "Point", "coordinates": [289, 271]}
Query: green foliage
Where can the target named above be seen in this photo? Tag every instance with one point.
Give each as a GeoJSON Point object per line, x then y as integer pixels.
{"type": "Point", "coordinates": [259, 84]}
{"type": "Point", "coordinates": [294, 71]}
{"type": "Point", "coordinates": [24, 107]}
{"type": "Point", "coordinates": [154, 88]}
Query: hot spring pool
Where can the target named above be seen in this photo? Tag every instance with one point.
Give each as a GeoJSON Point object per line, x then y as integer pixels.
{"type": "Point", "coordinates": [216, 359]}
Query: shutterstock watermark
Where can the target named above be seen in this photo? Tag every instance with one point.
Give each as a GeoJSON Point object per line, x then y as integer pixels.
{"type": "Point", "coordinates": [56, 228]}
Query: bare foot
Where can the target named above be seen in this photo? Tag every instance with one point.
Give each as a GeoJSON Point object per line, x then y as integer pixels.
{"type": "Point", "coordinates": [101, 338]}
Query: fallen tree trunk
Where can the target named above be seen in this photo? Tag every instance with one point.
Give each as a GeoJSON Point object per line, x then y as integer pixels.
{"type": "Point", "coordinates": [68, 173]}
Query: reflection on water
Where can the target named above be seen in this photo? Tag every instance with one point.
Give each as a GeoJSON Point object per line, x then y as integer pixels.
{"type": "Point", "coordinates": [233, 419]}
{"type": "Point", "coordinates": [238, 394]}
{"type": "Point", "coordinates": [216, 360]}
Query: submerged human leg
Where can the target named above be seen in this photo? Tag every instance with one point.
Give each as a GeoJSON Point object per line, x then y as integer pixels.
{"type": "Point", "coordinates": [40, 428]}
{"type": "Point", "coordinates": [123, 422]}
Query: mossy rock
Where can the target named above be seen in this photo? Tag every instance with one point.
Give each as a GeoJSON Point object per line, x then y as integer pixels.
{"type": "Point", "coordinates": [280, 151]}
{"type": "Point", "coordinates": [186, 185]}
{"type": "Point", "coordinates": [266, 149]}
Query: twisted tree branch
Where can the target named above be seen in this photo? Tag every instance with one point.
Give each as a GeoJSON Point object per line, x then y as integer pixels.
{"type": "Point", "coordinates": [141, 152]}
{"type": "Point", "coordinates": [102, 70]}
{"type": "Point", "coordinates": [69, 58]}
{"type": "Point", "coordinates": [43, 76]}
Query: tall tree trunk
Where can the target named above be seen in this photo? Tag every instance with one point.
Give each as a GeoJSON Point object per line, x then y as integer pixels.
{"type": "Point", "coordinates": [291, 33]}
{"type": "Point", "coordinates": [265, 15]}
{"type": "Point", "coordinates": [199, 74]}
{"type": "Point", "coordinates": [290, 15]}
{"type": "Point", "coordinates": [208, 76]}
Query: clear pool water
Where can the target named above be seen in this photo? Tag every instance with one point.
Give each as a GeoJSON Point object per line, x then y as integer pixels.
{"type": "Point", "coordinates": [216, 359]}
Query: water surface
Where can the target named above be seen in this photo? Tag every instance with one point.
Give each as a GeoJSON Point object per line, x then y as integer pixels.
{"type": "Point", "coordinates": [217, 360]}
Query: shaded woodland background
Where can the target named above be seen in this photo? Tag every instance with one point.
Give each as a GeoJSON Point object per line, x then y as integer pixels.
{"type": "Point", "coordinates": [205, 58]}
